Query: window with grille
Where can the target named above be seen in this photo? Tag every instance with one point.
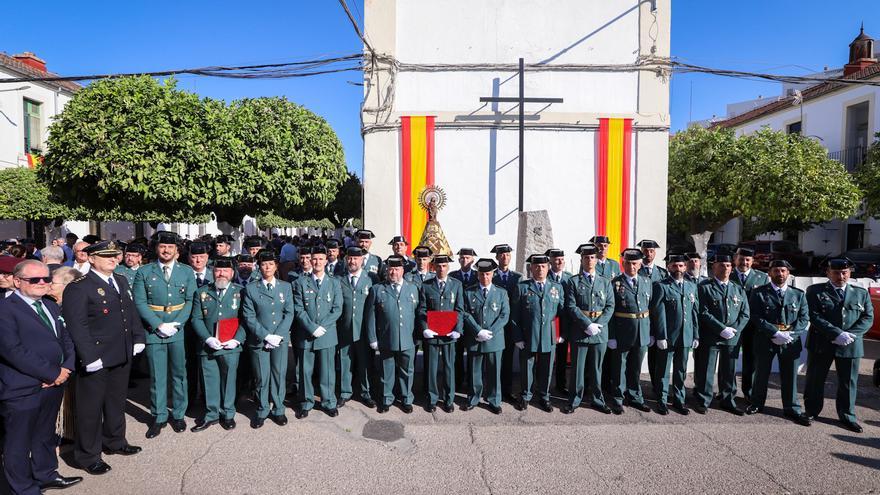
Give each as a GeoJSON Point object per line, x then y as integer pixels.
{"type": "Point", "coordinates": [33, 141]}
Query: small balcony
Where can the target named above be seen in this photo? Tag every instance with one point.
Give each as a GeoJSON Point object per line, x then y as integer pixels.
{"type": "Point", "coordinates": [850, 157]}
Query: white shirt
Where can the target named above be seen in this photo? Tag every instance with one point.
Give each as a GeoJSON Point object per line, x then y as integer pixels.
{"type": "Point", "coordinates": [267, 282]}
{"type": "Point", "coordinates": [30, 302]}
{"type": "Point", "coordinates": [108, 280]}
{"type": "Point", "coordinates": [631, 280]}
{"type": "Point", "coordinates": [83, 268]}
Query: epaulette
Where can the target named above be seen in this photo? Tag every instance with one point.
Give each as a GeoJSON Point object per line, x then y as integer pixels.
{"type": "Point", "coordinates": [78, 279]}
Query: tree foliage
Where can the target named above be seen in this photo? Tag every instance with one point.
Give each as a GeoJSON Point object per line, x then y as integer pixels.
{"type": "Point", "coordinates": [867, 176]}
{"type": "Point", "coordinates": [24, 197]}
{"type": "Point", "coordinates": [272, 221]}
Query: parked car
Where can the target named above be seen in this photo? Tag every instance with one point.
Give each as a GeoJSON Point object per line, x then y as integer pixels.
{"type": "Point", "coordinates": [867, 261]}
{"type": "Point", "coordinates": [714, 248]}
{"type": "Point", "coordinates": [767, 251]}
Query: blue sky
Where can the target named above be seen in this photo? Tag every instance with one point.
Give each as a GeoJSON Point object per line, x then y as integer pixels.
{"type": "Point", "coordinates": [781, 36]}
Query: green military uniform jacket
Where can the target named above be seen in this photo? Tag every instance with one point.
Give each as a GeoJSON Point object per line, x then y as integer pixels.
{"type": "Point", "coordinates": [315, 308]}
{"type": "Point", "coordinates": [658, 273]}
{"type": "Point", "coordinates": [491, 313]}
{"type": "Point", "coordinates": [829, 317]}
{"type": "Point", "coordinates": [675, 313]}
{"type": "Point", "coordinates": [770, 314]}
{"type": "Point", "coordinates": [208, 309]}
{"type": "Point", "coordinates": [350, 325]}
{"type": "Point", "coordinates": [391, 320]}
{"type": "Point", "coordinates": [754, 279]}
{"type": "Point", "coordinates": [373, 264]}
{"type": "Point", "coordinates": [126, 272]}
{"type": "Point", "coordinates": [150, 291]}
{"type": "Point", "coordinates": [609, 268]}
{"type": "Point", "coordinates": [471, 278]}
{"type": "Point", "coordinates": [533, 313]}
{"type": "Point", "coordinates": [208, 278]}
{"type": "Point", "coordinates": [267, 312]}
{"type": "Point", "coordinates": [586, 303]}
{"type": "Point", "coordinates": [720, 309]}
{"type": "Point", "coordinates": [630, 300]}
{"type": "Point", "coordinates": [451, 299]}
{"type": "Point", "coordinates": [418, 278]}
{"type": "Point", "coordinates": [513, 278]}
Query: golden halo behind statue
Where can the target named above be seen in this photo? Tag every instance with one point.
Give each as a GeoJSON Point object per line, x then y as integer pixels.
{"type": "Point", "coordinates": [432, 198]}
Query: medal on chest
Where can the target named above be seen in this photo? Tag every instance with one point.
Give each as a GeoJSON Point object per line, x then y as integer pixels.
{"type": "Point", "coordinates": [235, 301]}
{"type": "Point", "coordinates": [281, 297]}
{"type": "Point", "coordinates": [101, 292]}
{"type": "Point", "coordinates": [554, 293]}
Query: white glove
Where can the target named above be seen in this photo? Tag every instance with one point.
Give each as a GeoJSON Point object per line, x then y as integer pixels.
{"type": "Point", "coordinates": [727, 333]}
{"type": "Point", "coordinates": [651, 341]}
{"type": "Point", "coordinates": [612, 343]}
{"type": "Point", "coordinates": [455, 335]}
{"type": "Point", "coordinates": [662, 344]}
{"type": "Point", "coordinates": [520, 345]}
{"type": "Point", "coordinates": [319, 332]}
{"type": "Point", "coordinates": [780, 338]}
{"type": "Point", "coordinates": [695, 344]}
{"type": "Point", "coordinates": [484, 335]}
{"type": "Point", "coordinates": [852, 337]}
{"type": "Point", "coordinates": [269, 346]}
{"type": "Point", "coordinates": [560, 340]}
{"type": "Point", "coordinates": [593, 329]}
{"type": "Point", "coordinates": [843, 339]}
{"type": "Point", "coordinates": [374, 346]}
{"type": "Point", "coordinates": [95, 366]}
{"type": "Point", "coordinates": [167, 329]}
{"type": "Point", "coordinates": [213, 343]}
{"type": "Point", "coordinates": [428, 333]}
{"type": "Point", "coordinates": [138, 348]}
{"type": "Point", "coordinates": [231, 344]}
{"type": "Point", "coordinates": [273, 339]}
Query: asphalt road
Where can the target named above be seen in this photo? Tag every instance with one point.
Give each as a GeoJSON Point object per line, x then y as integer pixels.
{"type": "Point", "coordinates": [516, 452]}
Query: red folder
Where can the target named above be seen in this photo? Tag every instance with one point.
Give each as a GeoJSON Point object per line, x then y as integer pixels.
{"type": "Point", "coordinates": [442, 322]}
{"type": "Point", "coordinates": [226, 329]}
{"type": "Point", "coordinates": [556, 329]}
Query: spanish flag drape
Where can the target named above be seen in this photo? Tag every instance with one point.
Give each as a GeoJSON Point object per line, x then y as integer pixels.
{"type": "Point", "coordinates": [416, 172]}
{"type": "Point", "coordinates": [614, 182]}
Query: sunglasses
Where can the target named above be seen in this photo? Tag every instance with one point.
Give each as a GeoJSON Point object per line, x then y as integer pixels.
{"type": "Point", "coordinates": [36, 280]}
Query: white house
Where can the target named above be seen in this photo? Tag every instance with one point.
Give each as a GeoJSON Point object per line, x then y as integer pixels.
{"type": "Point", "coordinates": [844, 118]}
{"type": "Point", "coordinates": [437, 59]}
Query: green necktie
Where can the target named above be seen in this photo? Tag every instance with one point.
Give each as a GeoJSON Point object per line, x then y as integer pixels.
{"type": "Point", "coordinates": [43, 315]}
{"type": "Point", "coordinates": [166, 272]}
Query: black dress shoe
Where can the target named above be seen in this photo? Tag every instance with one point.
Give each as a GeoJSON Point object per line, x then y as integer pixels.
{"type": "Point", "coordinates": [258, 423]}
{"type": "Point", "coordinates": [280, 419]}
{"type": "Point", "coordinates": [521, 404]}
{"type": "Point", "coordinates": [381, 409]}
{"type": "Point", "coordinates": [752, 410]}
{"type": "Point", "coordinates": [641, 406]}
{"type": "Point", "coordinates": [801, 419]}
{"type": "Point", "coordinates": [617, 410]}
{"type": "Point", "coordinates": [466, 406]}
{"type": "Point", "coordinates": [154, 429]}
{"type": "Point", "coordinates": [431, 408]}
{"type": "Point", "coordinates": [406, 408]}
{"type": "Point", "coordinates": [369, 403]}
{"type": "Point", "coordinates": [448, 408]}
{"type": "Point", "coordinates": [852, 426]}
{"type": "Point", "coordinates": [178, 425]}
{"type": "Point", "coordinates": [98, 468]}
{"type": "Point", "coordinates": [204, 425]}
{"type": "Point", "coordinates": [604, 409]}
{"type": "Point", "coordinates": [545, 406]}
{"type": "Point", "coordinates": [227, 424]}
{"type": "Point", "coordinates": [662, 409]}
{"type": "Point", "coordinates": [301, 413]}
{"type": "Point", "coordinates": [681, 409]}
{"type": "Point", "coordinates": [332, 412]}
{"type": "Point", "coordinates": [494, 409]}
{"type": "Point", "coordinates": [61, 482]}
{"type": "Point", "coordinates": [701, 409]}
{"type": "Point", "coordinates": [341, 402]}
{"type": "Point", "coordinates": [733, 410]}
{"type": "Point", "coordinates": [126, 450]}
{"type": "Point", "coordinates": [567, 409]}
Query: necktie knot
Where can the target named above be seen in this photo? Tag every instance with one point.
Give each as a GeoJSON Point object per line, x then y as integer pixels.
{"type": "Point", "coordinates": [166, 272]}
{"type": "Point", "coordinates": [442, 286]}
{"type": "Point", "coordinates": [353, 280]}
{"type": "Point", "coordinates": [840, 293]}
{"type": "Point", "coordinates": [485, 291]}
{"type": "Point", "coordinates": [269, 286]}
{"type": "Point", "coordinates": [318, 282]}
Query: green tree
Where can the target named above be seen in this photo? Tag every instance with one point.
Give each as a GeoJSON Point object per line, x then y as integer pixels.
{"type": "Point", "coordinates": [24, 197]}
{"type": "Point", "coordinates": [772, 178]}
{"type": "Point", "coordinates": [867, 176]}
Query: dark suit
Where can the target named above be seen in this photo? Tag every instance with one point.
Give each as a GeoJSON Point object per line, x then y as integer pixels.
{"type": "Point", "coordinates": [507, 281]}
{"type": "Point", "coordinates": [103, 325]}
{"type": "Point", "coordinates": [31, 354]}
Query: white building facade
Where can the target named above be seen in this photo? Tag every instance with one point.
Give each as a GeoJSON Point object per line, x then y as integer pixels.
{"type": "Point", "coordinates": [449, 54]}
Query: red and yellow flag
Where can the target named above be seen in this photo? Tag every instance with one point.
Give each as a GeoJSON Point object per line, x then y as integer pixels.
{"type": "Point", "coordinates": [33, 160]}
{"type": "Point", "coordinates": [416, 172]}
{"type": "Point", "coordinates": [614, 183]}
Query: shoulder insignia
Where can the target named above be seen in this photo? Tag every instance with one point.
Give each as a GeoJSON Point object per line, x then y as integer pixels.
{"type": "Point", "coordinates": [78, 279]}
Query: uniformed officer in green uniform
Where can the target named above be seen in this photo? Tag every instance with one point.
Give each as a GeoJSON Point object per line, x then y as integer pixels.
{"type": "Point", "coordinates": [629, 332]}
{"type": "Point", "coordinates": [267, 309]}
{"type": "Point", "coordinates": [304, 266]}
{"type": "Point", "coordinates": [694, 271]}
{"type": "Point", "coordinates": [840, 315]}
{"type": "Point", "coordinates": [163, 294]}
{"type": "Point", "coordinates": [335, 263]}
{"type": "Point", "coordinates": [486, 312]}
{"type": "Point", "coordinates": [198, 261]}
{"type": "Point", "coordinates": [244, 270]}
{"type": "Point", "coordinates": [131, 262]}
{"type": "Point", "coordinates": [589, 304]}
{"type": "Point", "coordinates": [252, 245]}
{"type": "Point", "coordinates": [223, 246]}
{"type": "Point", "coordinates": [392, 309]}
{"type": "Point", "coordinates": [372, 263]}
{"type": "Point", "coordinates": [536, 303]}
{"type": "Point", "coordinates": [780, 316]}
{"type": "Point", "coordinates": [441, 293]}
{"type": "Point", "coordinates": [398, 245]}
{"type": "Point", "coordinates": [421, 272]}
{"type": "Point", "coordinates": [605, 267]}
{"type": "Point", "coordinates": [219, 300]}
{"type": "Point", "coordinates": [655, 274]}
{"type": "Point", "coordinates": [675, 326]}
{"type": "Point", "coordinates": [506, 279]}
{"type": "Point", "coordinates": [468, 278]}
{"type": "Point", "coordinates": [318, 305]}
{"type": "Point", "coordinates": [749, 279]}
{"type": "Point", "coordinates": [724, 313]}
{"type": "Point", "coordinates": [355, 355]}
{"type": "Point", "coordinates": [559, 275]}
